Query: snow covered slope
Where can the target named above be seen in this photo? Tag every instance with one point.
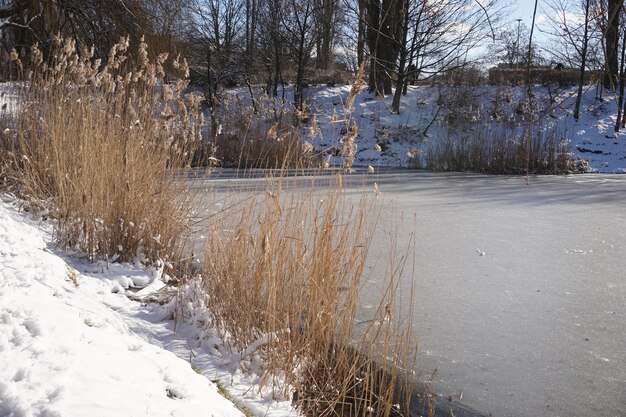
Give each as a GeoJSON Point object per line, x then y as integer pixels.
{"type": "Point", "coordinates": [70, 346]}
{"type": "Point", "coordinates": [429, 114]}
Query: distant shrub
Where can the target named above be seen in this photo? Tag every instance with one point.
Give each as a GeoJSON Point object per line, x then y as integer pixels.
{"type": "Point", "coordinates": [461, 105]}
{"type": "Point", "coordinates": [330, 77]}
{"type": "Point", "coordinates": [266, 135]}
{"type": "Point", "coordinates": [500, 110]}
{"type": "Point", "coordinates": [503, 151]}
{"type": "Point", "coordinates": [462, 76]}
{"type": "Point", "coordinates": [540, 75]}
{"type": "Point", "coordinates": [251, 151]}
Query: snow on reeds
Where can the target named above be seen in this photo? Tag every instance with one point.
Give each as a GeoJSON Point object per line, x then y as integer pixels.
{"type": "Point", "coordinates": [283, 280]}
{"type": "Point", "coordinates": [102, 145]}
{"type": "Point", "coordinates": [102, 141]}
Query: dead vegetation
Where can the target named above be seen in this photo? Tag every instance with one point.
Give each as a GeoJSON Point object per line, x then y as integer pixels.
{"type": "Point", "coordinates": [102, 142]}
{"type": "Point", "coordinates": [504, 151]}
{"type": "Point", "coordinates": [297, 263]}
{"type": "Point", "coordinates": [102, 145]}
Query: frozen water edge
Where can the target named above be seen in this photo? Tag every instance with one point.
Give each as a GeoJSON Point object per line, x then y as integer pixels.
{"type": "Point", "coordinates": [71, 346]}
{"type": "Point", "coordinates": [519, 281]}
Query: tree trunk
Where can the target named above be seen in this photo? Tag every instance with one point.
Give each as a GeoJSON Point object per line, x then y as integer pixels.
{"type": "Point", "coordinates": [412, 72]}
{"type": "Point", "coordinates": [325, 40]}
{"type": "Point", "coordinates": [401, 81]}
{"type": "Point", "coordinates": [389, 45]}
{"type": "Point", "coordinates": [249, 58]}
{"type": "Point", "coordinates": [384, 30]}
{"type": "Point", "coordinates": [211, 96]}
{"type": "Point", "coordinates": [298, 88]}
{"type": "Point", "coordinates": [373, 36]}
{"type": "Point", "coordinates": [611, 43]}
{"type": "Point", "coordinates": [360, 46]}
{"type": "Point", "coordinates": [583, 64]}
{"type": "Point", "coordinates": [530, 47]}
{"type": "Point", "coordinates": [620, 97]}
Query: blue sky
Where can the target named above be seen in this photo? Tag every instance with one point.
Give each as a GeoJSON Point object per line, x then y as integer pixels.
{"type": "Point", "coordinates": [524, 10]}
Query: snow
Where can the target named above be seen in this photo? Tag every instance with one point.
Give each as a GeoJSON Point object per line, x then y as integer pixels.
{"type": "Point", "coordinates": [73, 344]}
{"type": "Point", "coordinates": [8, 97]}
{"type": "Point", "coordinates": [423, 114]}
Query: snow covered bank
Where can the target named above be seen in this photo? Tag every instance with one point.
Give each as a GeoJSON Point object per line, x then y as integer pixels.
{"type": "Point", "coordinates": [431, 114]}
{"type": "Point", "coordinates": [71, 346]}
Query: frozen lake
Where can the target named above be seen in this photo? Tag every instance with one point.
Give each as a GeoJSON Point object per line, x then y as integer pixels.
{"type": "Point", "coordinates": [520, 283]}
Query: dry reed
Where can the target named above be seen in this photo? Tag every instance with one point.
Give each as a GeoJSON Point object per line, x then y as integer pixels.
{"type": "Point", "coordinates": [260, 135]}
{"type": "Point", "coordinates": [503, 151]}
{"type": "Point", "coordinates": [283, 278]}
{"type": "Point", "coordinates": [103, 141]}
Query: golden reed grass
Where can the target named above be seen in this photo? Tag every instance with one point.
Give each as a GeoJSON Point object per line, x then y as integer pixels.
{"type": "Point", "coordinates": [103, 141]}
{"type": "Point", "coordinates": [283, 278]}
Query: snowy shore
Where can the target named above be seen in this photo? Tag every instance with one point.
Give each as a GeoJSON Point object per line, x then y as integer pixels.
{"type": "Point", "coordinates": [71, 346]}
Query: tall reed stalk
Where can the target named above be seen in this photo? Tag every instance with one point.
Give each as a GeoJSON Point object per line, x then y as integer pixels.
{"type": "Point", "coordinates": [284, 278]}
{"type": "Point", "coordinates": [103, 141]}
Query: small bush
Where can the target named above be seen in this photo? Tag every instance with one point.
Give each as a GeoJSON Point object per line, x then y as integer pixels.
{"type": "Point", "coordinates": [264, 135]}
{"type": "Point", "coordinates": [331, 78]}
{"type": "Point", "coordinates": [461, 105]}
{"type": "Point", "coordinates": [251, 151]}
{"type": "Point", "coordinates": [500, 110]}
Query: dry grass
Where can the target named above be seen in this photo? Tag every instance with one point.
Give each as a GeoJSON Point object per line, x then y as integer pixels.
{"type": "Point", "coordinates": [102, 141]}
{"type": "Point", "coordinates": [296, 262]}
{"type": "Point", "coordinates": [266, 135]}
{"type": "Point", "coordinates": [283, 280]}
{"type": "Point", "coordinates": [271, 134]}
{"type": "Point", "coordinates": [503, 151]}
{"type": "Point", "coordinates": [246, 151]}
{"type": "Point", "coordinates": [105, 143]}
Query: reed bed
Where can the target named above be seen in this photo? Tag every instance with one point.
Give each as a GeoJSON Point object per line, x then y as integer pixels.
{"type": "Point", "coordinates": [102, 141]}
{"type": "Point", "coordinates": [102, 146]}
{"type": "Point", "coordinates": [296, 261]}
{"type": "Point", "coordinates": [503, 151]}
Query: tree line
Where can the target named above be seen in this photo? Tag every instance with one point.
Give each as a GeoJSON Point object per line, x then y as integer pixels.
{"type": "Point", "coordinates": [274, 42]}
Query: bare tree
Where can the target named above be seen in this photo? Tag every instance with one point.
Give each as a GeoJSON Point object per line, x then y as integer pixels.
{"type": "Point", "coordinates": [325, 21]}
{"type": "Point", "coordinates": [570, 24]}
{"type": "Point", "coordinates": [300, 36]}
{"type": "Point", "coordinates": [215, 34]}
{"type": "Point", "coordinates": [169, 24]}
{"type": "Point", "coordinates": [437, 37]}
{"type": "Point", "coordinates": [530, 42]}
{"type": "Point", "coordinates": [511, 47]}
{"type": "Point", "coordinates": [383, 36]}
{"type": "Point", "coordinates": [361, 30]}
{"type": "Point", "coordinates": [250, 48]}
{"type": "Point", "coordinates": [89, 22]}
{"type": "Point", "coordinates": [619, 121]}
{"type": "Point", "coordinates": [271, 43]}
{"type": "Point", "coordinates": [583, 61]}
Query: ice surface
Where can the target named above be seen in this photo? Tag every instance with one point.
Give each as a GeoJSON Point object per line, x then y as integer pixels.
{"type": "Point", "coordinates": [520, 282]}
